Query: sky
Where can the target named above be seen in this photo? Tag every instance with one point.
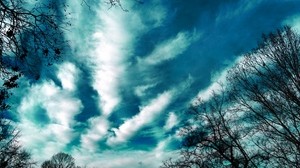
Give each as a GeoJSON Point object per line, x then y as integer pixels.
{"type": "Point", "coordinates": [119, 95]}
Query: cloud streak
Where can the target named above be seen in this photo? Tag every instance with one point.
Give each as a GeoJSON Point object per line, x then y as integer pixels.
{"type": "Point", "coordinates": [146, 116]}
{"type": "Point", "coordinates": [171, 48]}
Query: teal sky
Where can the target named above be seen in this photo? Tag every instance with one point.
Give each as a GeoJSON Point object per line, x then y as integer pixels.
{"type": "Point", "coordinates": [119, 95]}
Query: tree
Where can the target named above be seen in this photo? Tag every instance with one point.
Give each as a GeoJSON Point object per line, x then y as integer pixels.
{"type": "Point", "coordinates": [29, 36]}
{"type": "Point", "coordinates": [217, 137]}
{"type": "Point", "coordinates": [267, 84]}
{"type": "Point", "coordinates": [255, 120]}
{"type": "Point", "coordinates": [60, 160]}
{"type": "Point", "coordinates": [118, 3]}
{"type": "Point", "coordinates": [11, 153]}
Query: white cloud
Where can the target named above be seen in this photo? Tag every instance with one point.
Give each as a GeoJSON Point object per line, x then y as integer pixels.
{"type": "Point", "coordinates": [60, 107]}
{"type": "Point", "coordinates": [171, 121]}
{"type": "Point", "coordinates": [160, 149]}
{"type": "Point", "coordinates": [108, 66]}
{"type": "Point", "coordinates": [171, 48]}
{"type": "Point", "coordinates": [67, 74]}
{"type": "Point", "coordinates": [218, 79]}
{"type": "Point", "coordinates": [294, 22]}
{"type": "Point", "coordinates": [112, 41]}
{"type": "Point", "coordinates": [147, 115]}
{"type": "Point", "coordinates": [111, 47]}
{"type": "Point", "coordinates": [99, 129]}
{"type": "Point", "coordinates": [51, 138]}
{"type": "Point", "coordinates": [140, 90]}
{"type": "Point", "coordinates": [117, 159]}
{"type": "Point", "coordinates": [206, 93]}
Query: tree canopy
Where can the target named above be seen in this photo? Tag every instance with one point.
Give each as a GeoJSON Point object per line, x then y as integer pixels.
{"type": "Point", "coordinates": [60, 160]}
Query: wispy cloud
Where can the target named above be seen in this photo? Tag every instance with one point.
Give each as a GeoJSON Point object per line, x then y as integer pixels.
{"type": "Point", "coordinates": [112, 45]}
{"type": "Point", "coordinates": [147, 114]}
{"type": "Point", "coordinates": [171, 121]}
{"type": "Point", "coordinates": [140, 90]}
{"type": "Point", "coordinates": [67, 75]}
{"type": "Point", "coordinates": [171, 48]}
{"type": "Point", "coordinates": [98, 131]}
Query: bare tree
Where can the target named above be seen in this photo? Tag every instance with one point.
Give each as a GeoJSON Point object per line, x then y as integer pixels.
{"type": "Point", "coordinates": [267, 84]}
{"type": "Point", "coordinates": [217, 136]}
{"type": "Point", "coordinates": [11, 153]}
{"type": "Point", "coordinates": [60, 160]}
{"type": "Point", "coordinates": [46, 164]}
{"type": "Point", "coordinates": [29, 36]}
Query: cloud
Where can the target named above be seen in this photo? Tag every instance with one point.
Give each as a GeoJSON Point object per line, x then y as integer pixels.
{"type": "Point", "coordinates": [161, 147]}
{"type": "Point", "coordinates": [108, 65]}
{"type": "Point", "coordinates": [236, 10]}
{"type": "Point", "coordinates": [293, 22]}
{"type": "Point", "coordinates": [57, 106]}
{"type": "Point", "coordinates": [112, 47]}
{"type": "Point", "coordinates": [171, 121]}
{"type": "Point", "coordinates": [113, 40]}
{"type": "Point", "coordinates": [67, 75]}
{"type": "Point", "coordinates": [147, 114]}
{"type": "Point", "coordinates": [107, 60]}
{"type": "Point", "coordinates": [99, 129]}
{"type": "Point", "coordinates": [117, 159]}
{"type": "Point", "coordinates": [154, 15]}
{"type": "Point", "coordinates": [140, 90]}
{"type": "Point", "coordinates": [171, 48]}
{"type": "Point", "coordinates": [218, 79]}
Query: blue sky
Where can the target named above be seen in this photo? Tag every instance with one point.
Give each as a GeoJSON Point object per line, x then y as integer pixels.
{"type": "Point", "coordinates": [118, 97]}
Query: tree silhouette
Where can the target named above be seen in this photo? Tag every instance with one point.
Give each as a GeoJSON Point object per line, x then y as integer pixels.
{"type": "Point", "coordinates": [29, 36]}
{"type": "Point", "coordinates": [217, 137]}
{"type": "Point", "coordinates": [267, 84]}
{"type": "Point", "coordinates": [11, 152]}
{"type": "Point", "coordinates": [254, 121]}
{"type": "Point", "coordinates": [60, 160]}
